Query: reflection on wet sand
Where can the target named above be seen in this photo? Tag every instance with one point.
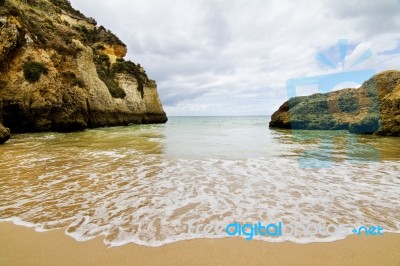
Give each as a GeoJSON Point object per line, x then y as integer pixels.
{"type": "Point", "coordinates": [339, 145]}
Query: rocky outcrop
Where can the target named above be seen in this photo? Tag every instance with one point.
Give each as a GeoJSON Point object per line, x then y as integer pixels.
{"type": "Point", "coordinates": [59, 71]}
{"type": "Point", "coordinates": [114, 52]}
{"type": "Point", "coordinates": [4, 132]}
{"type": "Point", "coordinates": [374, 108]}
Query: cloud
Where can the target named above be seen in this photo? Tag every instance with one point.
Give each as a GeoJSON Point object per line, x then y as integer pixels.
{"type": "Point", "coordinates": [371, 17]}
{"type": "Point", "coordinates": [234, 57]}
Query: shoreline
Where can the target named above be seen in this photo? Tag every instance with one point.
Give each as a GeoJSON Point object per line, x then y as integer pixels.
{"type": "Point", "coordinates": [23, 246]}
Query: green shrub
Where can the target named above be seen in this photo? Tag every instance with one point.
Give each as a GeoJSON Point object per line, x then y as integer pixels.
{"type": "Point", "coordinates": [107, 78]}
{"type": "Point", "coordinates": [84, 29]}
{"type": "Point", "coordinates": [92, 21]}
{"type": "Point", "coordinates": [104, 57]}
{"type": "Point", "coordinates": [127, 67]}
{"type": "Point", "coordinates": [91, 36]}
{"type": "Point", "coordinates": [103, 60]}
{"type": "Point", "coordinates": [33, 70]}
{"type": "Point", "coordinates": [66, 6]}
{"type": "Point", "coordinates": [348, 102]}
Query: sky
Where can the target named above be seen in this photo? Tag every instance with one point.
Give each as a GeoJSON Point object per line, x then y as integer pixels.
{"type": "Point", "coordinates": [234, 57]}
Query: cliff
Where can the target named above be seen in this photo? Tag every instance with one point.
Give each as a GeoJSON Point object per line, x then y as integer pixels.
{"type": "Point", "coordinates": [374, 108]}
{"type": "Point", "coordinates": [59, 71]}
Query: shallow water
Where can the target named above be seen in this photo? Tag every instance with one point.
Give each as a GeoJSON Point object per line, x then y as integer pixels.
{"type": "Point", "coordinates": [145, 184]}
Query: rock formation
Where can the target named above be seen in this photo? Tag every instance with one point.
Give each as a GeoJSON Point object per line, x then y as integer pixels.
{"type": "Point", "coordinates": [374, 108]}
{"type": "Point", "coordinates": [4, 132]}
{"type": "Point", "coordinates": [59, 71]}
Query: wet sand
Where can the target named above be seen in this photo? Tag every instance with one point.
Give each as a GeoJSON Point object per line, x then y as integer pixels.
{"type": "Point", "coordinates": [23, 246]}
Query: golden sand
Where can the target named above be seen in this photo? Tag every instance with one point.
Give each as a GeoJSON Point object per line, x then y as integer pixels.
{"type": "Point", "coordinates": [24, 246]}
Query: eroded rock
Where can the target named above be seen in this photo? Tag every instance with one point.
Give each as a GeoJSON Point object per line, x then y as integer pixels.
{"type": "Point", "coordinates": [372, 108]}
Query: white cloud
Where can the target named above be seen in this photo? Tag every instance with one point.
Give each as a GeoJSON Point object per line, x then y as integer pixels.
{"type": "Point", "coordinates": [234, 57]}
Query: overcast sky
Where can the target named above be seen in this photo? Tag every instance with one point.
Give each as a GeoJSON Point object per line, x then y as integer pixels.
{"type": "Point", "coordinates": [233, 57]}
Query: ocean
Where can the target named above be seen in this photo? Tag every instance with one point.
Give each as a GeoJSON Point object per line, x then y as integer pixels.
{"type": "Point", "coordinates": [157, 184]}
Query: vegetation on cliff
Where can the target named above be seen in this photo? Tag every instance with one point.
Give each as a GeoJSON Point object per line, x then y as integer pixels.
{"type": "Point", "coordinates": [33, 70]}
{"type": "Point", "coordinates": [54, 24]}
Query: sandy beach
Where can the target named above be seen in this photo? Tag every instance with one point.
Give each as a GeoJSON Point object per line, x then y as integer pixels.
{"type": "Point", "coordinates": [24, 246]}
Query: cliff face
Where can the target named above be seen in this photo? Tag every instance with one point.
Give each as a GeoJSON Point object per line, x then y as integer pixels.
{"type": "Point", "coordinates": [372, 108]}
{"type": "Point", "coordinates": [61, 72]}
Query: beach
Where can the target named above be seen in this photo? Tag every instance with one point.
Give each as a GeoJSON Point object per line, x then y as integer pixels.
{"type": "Point", "coordinates": [23, 246]}
{"type": "Point", "coordinates": [199, 133]}
{"type": "Point", "coordinates": [144, 195]}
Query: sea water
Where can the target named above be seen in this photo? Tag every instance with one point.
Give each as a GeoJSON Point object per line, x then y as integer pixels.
{"type": "Point", "coordinates": [151, 184]}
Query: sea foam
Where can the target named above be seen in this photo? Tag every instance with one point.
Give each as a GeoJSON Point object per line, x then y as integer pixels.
{"type": "Point", "coordinates": [150, 200]}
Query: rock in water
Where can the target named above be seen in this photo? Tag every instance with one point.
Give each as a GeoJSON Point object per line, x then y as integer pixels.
{"type": "Point", "coordinates": [4, 132]}
{"type": "Point", "coordinates": [59, 71]}
{"type": "Point", "coordinates": [374, 108]}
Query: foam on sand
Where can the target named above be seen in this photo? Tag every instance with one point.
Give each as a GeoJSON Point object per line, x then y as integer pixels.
{"type": "Point", "coordinates": [151, 200]}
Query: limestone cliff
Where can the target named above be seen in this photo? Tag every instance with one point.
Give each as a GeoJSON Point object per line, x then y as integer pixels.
{"type": "Point", "coordinates": [59, 71]}
{"type": "Point", "coordinates": [372, 108]}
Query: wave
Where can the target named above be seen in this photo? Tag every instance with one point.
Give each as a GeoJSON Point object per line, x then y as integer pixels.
{"type": "Point", "coordinates": [129, 197]}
